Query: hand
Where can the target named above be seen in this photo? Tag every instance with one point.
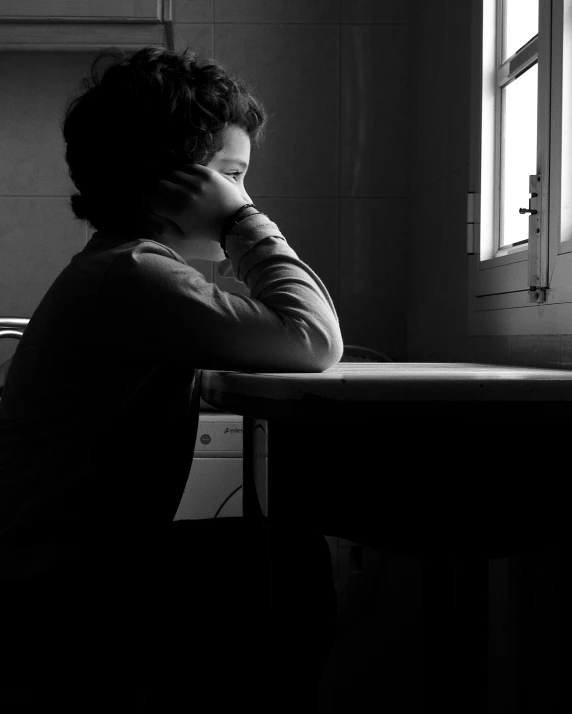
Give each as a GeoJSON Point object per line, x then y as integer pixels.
{"type": "Point", "coordinates": [198, 200]}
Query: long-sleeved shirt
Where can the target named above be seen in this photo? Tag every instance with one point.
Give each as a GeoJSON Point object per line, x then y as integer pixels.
{"type": "Point", "coordinates": [99, 413]}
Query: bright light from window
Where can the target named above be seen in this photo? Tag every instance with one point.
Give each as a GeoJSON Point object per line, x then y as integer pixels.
{"type": "Point", "coordinates": [520, 24]}
{"type": "Point", "coordinates": [518, 158]}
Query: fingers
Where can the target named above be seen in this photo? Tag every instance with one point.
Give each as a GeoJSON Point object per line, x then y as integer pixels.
{"type": "Point", "coordinates": [192, 171]}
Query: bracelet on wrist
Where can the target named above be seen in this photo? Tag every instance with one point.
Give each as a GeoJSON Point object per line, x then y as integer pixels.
{"type": "Point", "coordinates": [234, 219]}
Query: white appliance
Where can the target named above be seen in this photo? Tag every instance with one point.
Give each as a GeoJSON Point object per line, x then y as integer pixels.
{"type": "Point", "coordinates": [214, 486]}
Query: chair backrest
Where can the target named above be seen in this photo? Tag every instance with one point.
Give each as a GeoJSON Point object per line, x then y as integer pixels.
{"type": "Point", "coordinates": [10, 327]}
{"type": "Point", "coordinates": [356, 353]}
{"type": "Point", "coordinates": [14, 323]}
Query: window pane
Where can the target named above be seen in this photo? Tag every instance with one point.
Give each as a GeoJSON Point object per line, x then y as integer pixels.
{"type": "Point", "coordinates": [518, 153]}
{"type": "Point", "coordinates": [520, 24]}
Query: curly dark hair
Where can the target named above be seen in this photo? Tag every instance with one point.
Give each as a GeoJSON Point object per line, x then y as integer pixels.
{"type": "Point", "coordinates": [151, 111]}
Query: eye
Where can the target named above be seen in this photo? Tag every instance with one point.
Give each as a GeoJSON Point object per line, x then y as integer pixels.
{"type": "Point", "coordinates": [234, 173]}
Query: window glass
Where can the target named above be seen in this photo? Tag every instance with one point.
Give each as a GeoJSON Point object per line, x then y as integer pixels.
{"type": "Point", "coordinates": [520, 25]}
{"type": "Point", "coordinates": [518, 155]}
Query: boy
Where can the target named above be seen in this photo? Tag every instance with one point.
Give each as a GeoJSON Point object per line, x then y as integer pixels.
{"type": "Point", "coordinates": [106, 598]}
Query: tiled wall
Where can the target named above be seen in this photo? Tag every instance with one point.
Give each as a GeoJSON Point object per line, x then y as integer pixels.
{"type": "Point", "coordinates": [331, 173]}
{"type": "Point", "coordinates": [333, 75]}
{"type": "Point", "coordinates": [38, 234]}
{"type": "Point", "coordinates": [439, 159]}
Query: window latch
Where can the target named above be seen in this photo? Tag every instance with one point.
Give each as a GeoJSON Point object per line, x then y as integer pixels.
{"type": "Point", "coordinates": [537, 257]}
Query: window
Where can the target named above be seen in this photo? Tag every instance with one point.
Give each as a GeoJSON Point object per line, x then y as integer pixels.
{"type": "Point", "coordinates": [521, 171]}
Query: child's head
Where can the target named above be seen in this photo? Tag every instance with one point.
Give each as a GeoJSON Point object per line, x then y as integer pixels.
{"type": "Point", "coordinates": [146, 114]}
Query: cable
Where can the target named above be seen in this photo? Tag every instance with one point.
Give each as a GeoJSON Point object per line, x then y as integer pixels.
{"type": "Point", "coordinates": [219, 509]}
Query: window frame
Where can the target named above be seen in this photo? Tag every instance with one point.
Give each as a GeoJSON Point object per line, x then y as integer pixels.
{"type": "Point", "coordinates": [500, 299]}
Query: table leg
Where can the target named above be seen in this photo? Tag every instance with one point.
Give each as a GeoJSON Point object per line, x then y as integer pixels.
{"type": "Point", "coordinates": [302, 597]}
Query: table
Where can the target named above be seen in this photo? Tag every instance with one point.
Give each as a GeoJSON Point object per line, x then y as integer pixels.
{"type": "Point", "coordinates": [438, 461]}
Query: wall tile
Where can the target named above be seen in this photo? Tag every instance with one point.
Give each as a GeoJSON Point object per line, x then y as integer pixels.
{"type": "Point", "coordinates": [430, 68]}
{"type": "Point", "coordinates": [310, 225]}
{"type": "Point", "coordinates": [566, 351]}
{"type": "Point", "coordinates": [548, 350]}
{"type": "Point", "coordinates": [374, 111]}
{"type": "Point", "coordinates": [451, 267]}
{"type": "Point", "coordinates": [458, 73]}
{"type": "Point", "coordinates": [366, 11]}
{"type": "Point", "coordinates": [35, 87]}
{"type": "Point", "coordinates": [416, 6]}
{"type": "Point", "coordinates": [294, 70]}
{"type": "Point", "coordinates": [372, 274]}
{"type": "Point", "coordinates": [523, 349]}
{"type": "Point", "coordinates": [490, 349]}
{"type": "Point", "coordinates": [38, 238]}
{"type": "Point", "coordinates": [276, 11]}
{"type": "Point", "coordinates": [193, 10]}
{"type": "Point", "coordinates": [425, 233]}
{"type": "Point", "coordinates": [535, 350]}
{"type": "Point", "coordinates": [438, 272]}
{"type": "Point", "coordinates": [195, 36]}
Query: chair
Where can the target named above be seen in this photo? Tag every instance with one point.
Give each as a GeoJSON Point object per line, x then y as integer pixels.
{"type": "Point", "coordinates": [10, 328]}
{"type": "Point", "coordinates": [356, 353]}
{"type": "Point", "coordinates": [13, 326]}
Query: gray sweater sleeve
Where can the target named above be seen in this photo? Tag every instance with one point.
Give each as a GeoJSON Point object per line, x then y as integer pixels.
{"type": "Point", "coordinates": [288, 323]}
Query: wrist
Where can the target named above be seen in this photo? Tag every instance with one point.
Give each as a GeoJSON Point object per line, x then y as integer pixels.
{"type": "Point", "coordinates": [248, 209]}
{"type": "Point", "coordinates": [237, 215]}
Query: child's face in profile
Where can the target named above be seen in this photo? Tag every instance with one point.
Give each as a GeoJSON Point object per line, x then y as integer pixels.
{"type": "Point", "coordinates": [234, 157]}
{"type": "Point", "coordinates": [232, 162]}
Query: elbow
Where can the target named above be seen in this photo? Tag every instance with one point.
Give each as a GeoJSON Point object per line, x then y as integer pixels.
{"type": "Point", "coordinates": [336, 351]}
{"type": "Point", "coordinates": [330, 353]}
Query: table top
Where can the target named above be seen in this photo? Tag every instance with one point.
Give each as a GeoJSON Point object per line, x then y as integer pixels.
{"type": "Point", "coordinates": [361, 384]}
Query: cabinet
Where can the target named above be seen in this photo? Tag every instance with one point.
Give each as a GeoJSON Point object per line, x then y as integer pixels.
{"type": "Point", "coordinates": [76, 25]}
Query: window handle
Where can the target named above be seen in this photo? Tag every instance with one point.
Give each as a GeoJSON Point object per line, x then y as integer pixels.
{"type": "Point", "coordinates": [537, 248]}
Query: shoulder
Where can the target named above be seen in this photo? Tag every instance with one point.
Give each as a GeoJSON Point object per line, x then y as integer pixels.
{"type": "Point", "coordinates": [148, 264]}
{"type": "Point", "coordinates": [145, 247]}
{"type": "Point", "coordinates": [145, 253]}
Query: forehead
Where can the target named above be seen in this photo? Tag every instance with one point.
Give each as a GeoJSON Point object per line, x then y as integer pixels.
{"type": "Point", "coordinates": [235, 145]}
